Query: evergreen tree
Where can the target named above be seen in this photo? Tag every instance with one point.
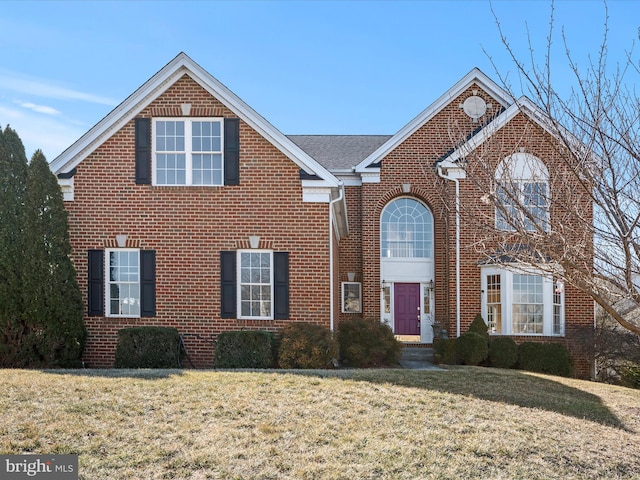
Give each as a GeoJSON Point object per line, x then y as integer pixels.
{"type": "Point", "coordinates": [52, 302]}
{"type": "Point", "coordinates": [13, 175]}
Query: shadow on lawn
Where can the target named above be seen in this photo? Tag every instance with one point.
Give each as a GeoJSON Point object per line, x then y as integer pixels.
{"type": "Point", "coordinates": [141, 373]}
{"type": "Point", "coordinates": [504, 386]}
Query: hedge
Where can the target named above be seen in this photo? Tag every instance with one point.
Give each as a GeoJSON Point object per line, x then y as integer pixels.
{"type": "Point", "coordinates": [148, 347]}
{"type": "Point", "coordinates": [244, 349]}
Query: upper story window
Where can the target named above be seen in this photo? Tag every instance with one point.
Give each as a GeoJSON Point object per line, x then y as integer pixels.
{"type": "Point", "coordinates": [188, 151]}
{"type": "Point", "coordinates": [522, 194]}
{"type": "Point", "coordinates": [406, 230]}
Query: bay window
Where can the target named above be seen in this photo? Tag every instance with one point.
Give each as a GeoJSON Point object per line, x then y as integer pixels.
{"type": "Point", "coordinates": [522, 302]}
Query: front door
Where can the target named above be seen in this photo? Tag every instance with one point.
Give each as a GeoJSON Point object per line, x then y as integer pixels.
{"type": "Point", "coordinates": [406, 308]}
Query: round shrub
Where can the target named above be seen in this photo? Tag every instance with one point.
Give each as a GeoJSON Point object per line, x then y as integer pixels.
{"type": "Point", "coordinates": [444, 351]}
{"type": "Point", "coordinates": [244, 349]}
{"type": "Point", "coordinates": [503, 352]}
{"type": "Point", "coordinates": [367, 343]}
{"type": "Point", "coordinates": [471, 348]}
{"type": "Point", "coordinates": [306, 345]}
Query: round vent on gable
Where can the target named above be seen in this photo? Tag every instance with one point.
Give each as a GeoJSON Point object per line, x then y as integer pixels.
{"type": "Point", "coordinates": [475, 107]}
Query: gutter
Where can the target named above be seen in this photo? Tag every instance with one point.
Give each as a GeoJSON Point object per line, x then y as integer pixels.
{"type": "Point", "coordinates": [454, 173]}
{"type": "Point", "coordinates": [331, 282]}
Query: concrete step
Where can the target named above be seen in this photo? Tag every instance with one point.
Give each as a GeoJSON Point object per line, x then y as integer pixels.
{"type": "Point", "coordinates": [416, 354]}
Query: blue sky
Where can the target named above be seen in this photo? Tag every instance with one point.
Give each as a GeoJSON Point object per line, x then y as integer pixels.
{"type": "Point", "coordinates": [308, 67]}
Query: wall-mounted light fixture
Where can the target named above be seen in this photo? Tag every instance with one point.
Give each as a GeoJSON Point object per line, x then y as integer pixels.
{"type": "Point", "coordinates": [430, 285]}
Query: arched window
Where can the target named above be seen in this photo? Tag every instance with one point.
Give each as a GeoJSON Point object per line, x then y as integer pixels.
{"type": "Point", "coordinates": [522, 193]}
{"type": "Point", "coordinates": [406, 230]}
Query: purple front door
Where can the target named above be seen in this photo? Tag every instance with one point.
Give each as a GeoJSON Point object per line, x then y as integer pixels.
{"type": "Point", "coordinates": [406, 308]}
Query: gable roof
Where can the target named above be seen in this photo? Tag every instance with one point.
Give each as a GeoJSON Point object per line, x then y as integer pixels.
{"type": "Point", "coordinates": [475, 76]}
{"type": "Point", "coordinates": [182, 64]}
{"type": "Point", "coordinates": [339, 153]}
{"type": "Point", "coordinates": [522, 105]}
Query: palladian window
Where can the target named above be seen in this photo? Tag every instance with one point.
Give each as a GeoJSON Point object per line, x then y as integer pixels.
{"type": "Point", "coordinates": [406, 227]}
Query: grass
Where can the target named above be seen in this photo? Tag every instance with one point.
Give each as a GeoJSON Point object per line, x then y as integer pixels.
{"type": "Point", "coordinates": [357, 424]}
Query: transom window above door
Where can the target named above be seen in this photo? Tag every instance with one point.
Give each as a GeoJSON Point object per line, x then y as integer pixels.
{"type": "Point", "coordinates": [406, 228]}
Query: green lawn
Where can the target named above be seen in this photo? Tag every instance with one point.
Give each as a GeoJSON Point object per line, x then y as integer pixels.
{"type": "Point", "coordinates": [356, 424]}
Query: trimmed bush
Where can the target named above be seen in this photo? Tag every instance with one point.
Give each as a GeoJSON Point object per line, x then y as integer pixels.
{"type": "Point", "coordinates": [244, 349]}
{"type": "Point", "coordinates": [471, 348]}
{"type": "Point", "coordinates": [306, 345]}
{"type": "Point", "coordinates": [148, 347]}
{"type": "Point", "coordinates": [551, 358]}
{"type": "Point", "coordinates": [444, 351]}
{"type": "Point", "coordinates": [503, 352]}
{"type": "Point", "coordinates": [367, 343]}
{"type": "Point", "coordinates": [479, 326]}
{"type": "Point", "coordinates": [630, 377]}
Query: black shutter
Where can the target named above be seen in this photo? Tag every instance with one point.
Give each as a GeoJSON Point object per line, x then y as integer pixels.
{"type": "Point", "coordinates": [147, 283]}
{"type": "Point", "coordinates": [95, 297]}
{"type": "Point", "coordinates": [143, 151]}
{"type": "Point", "coordinates": [232, 151]}
{"type": "Point", "coordinates": [281, 285]}
{"type": "Point", "coordinates": [228, 284]}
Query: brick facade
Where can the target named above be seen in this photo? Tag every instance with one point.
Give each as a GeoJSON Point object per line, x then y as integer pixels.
{"type": "Point", "coordinates": [188, 227]}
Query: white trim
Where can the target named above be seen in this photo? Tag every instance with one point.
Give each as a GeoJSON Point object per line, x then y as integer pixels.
{"type": "Point", "coordinates": [239, 284]}
{"type": "Point", "coordinates": [188, 150]}
{"type": "Point", "coordinates": [506, 273]}
{"type": "Point", "coordinates": [66, 186]}
{"type": "Point", "coordinates": [475, 76]}
{"type": "Point", "coordinates": [359, 298]}
{"type": "Point", "coordinates": [522, 105]}
{"type": "Point", "coordinates": [315, 194]}
{"type": "Point", "coordinates": [158, 84]}
{"type": "Point", "coordinates": [108, 282]}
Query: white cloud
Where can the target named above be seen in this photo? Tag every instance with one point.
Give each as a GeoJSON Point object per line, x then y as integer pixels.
{"type": "Point", "coordinates": [41, 88]}
{"type": "Point", "coordinates": [38, 108]}
{"type": "Point", "coordinates": [51, 134]}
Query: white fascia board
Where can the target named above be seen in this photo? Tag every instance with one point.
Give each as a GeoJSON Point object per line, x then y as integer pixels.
{"type": "Point", "coordinates": [522, 105]}
{"type": "Point", "coordinates": [153, 88]}
{"type": "Point", "coordinates": [260, 124]}
{"type": "Point", "coordinates": [474, 76]}
{"type": "Point", "coordinates": [119, 116]}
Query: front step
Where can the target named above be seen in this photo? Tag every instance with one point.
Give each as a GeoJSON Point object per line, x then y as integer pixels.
{"type": "Point", "coordinates": [417, 354]}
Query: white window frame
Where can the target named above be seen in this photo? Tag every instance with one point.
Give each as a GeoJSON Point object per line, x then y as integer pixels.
{"type": "Point", "coordinates": [412, 244]}
{"type": "Point", "coordinates": [345, 292]}
{"type": "Point", "coordinates": [240, 284]}
{"type": "Point", "coordinates": [108, 282]}
{"type": "Point", "coordinates": [188, 150]}
{"type": "Point", "coordinates": [507, 296]}
{"type": "Point", "coordinates": [512, 176]}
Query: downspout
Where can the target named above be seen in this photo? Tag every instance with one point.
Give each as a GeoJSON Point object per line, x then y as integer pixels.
{"type": "Point", "coordinates": [444, 173]}
{"type": "Point", "coordinates": [331, 282]}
